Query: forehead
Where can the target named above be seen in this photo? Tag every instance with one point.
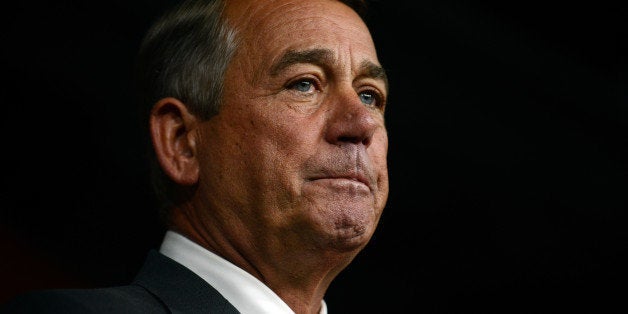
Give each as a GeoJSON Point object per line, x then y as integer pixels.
{"type": "Point", "coordinates": [280, 25]}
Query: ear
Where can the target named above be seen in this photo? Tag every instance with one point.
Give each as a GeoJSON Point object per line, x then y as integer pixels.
{"type": "Point", "coordinates": [172, 129]}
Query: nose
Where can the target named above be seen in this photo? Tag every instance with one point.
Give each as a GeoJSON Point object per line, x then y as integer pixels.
{"type": "Point", "coordinates": [351, 121]}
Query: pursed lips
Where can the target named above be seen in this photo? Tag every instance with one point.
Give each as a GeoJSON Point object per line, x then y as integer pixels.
{"type": "Point", "coordinates": [355, 177]}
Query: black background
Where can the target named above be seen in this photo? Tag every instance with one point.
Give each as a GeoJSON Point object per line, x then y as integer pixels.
{"type": "Point", "coordinates": [508, 124]}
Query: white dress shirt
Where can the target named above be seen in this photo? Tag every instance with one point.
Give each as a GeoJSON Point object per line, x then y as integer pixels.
{"type": "Point", "coordinates": [247, 294]}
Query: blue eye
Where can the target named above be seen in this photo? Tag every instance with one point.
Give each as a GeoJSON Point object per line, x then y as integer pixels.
{"type": "Point", "coordinates": [368, 98]}
{"type": "Point", "coordinates": [303, 86]}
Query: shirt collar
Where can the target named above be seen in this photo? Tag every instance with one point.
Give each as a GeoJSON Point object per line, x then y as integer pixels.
{"type": "Point", "coordinates": [247, 293]}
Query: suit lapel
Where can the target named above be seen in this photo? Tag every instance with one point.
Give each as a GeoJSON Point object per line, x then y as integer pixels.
{"type": "Point", "coordinates": [181, 290]}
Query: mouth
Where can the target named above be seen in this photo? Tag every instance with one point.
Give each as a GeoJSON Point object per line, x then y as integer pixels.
{"type": "Point", "coordinates": [346, 179]}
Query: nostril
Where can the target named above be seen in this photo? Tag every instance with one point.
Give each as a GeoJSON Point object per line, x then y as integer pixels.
{"type": "Point", "coordinates": [355, 140]}
{"type": "Point", "coordinates": [349, 139]}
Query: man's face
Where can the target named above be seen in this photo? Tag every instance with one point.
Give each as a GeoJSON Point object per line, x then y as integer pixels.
{"type": "Point", "coordinates": [296, 159]}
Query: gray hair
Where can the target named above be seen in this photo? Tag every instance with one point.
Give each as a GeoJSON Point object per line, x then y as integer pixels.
{"type": "Point", "coordinates": [185, 55]}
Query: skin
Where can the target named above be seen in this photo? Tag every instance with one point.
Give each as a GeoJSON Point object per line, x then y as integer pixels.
{"type": "Point", "coordinates": [289, 180]}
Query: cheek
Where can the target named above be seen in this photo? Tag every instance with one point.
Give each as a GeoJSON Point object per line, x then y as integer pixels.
{"type": "Point", "coordinates": [378, 150]}
{"type": "Point", "coordinates": [294, 137]}
{"type": "Point", "coordinates": [273, 162]}
{"type": "Point", "coordinates": [276, 146]}
{"type": "Point", "coordinates": [379, 157]}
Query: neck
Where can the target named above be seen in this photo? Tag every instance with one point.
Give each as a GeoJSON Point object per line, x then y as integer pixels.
{"type": "Point", "coordinates": [299, 277]}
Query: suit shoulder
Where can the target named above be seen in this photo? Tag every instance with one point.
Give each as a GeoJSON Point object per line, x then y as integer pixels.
{"type": "Point", "coordinates": [123, 299]}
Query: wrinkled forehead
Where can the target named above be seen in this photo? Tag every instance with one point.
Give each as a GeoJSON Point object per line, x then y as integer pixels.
{"type": "Point", "coordinates": [279, 25]}
{"type": "Point", "coordinates": [252, 11]}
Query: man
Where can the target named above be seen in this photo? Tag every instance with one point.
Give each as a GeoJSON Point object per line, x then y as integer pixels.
{"type": "Point", "coordinates": [267, 126]}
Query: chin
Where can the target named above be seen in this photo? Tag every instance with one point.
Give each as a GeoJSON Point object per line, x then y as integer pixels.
{"type": "Point", "coordinates": [341, 223]}
{"type": "Point", "coordinates": [350, 238]}
{"type": "Point", "coordinates": [350, 246]}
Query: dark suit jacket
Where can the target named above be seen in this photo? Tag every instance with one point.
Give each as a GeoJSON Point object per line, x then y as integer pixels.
{"type": "Point", "coordinates": [161, 286]}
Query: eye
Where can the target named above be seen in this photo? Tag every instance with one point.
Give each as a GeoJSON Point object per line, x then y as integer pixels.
{"type": "Point", "coordinates": [303, 86]}
{"type": "Point", "coordinates": [371, 98]}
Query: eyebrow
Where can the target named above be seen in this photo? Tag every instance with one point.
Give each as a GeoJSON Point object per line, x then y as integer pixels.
{"type": "Point", "coordinates": [374, 71]}
{"type": "Point", "coordinates": [318, 57]}
{"type": "Point", "coordinates": [322, 58]}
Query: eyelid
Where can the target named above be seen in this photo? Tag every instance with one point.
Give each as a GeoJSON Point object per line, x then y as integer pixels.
{"type": "Point", "coordinates": [305, 77]}
{"type": "Point", "coordinates": [376, 83]}
{"type": "Point", "coordinates": [298, 70]}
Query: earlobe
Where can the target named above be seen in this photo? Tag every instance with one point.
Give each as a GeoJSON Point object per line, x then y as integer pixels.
{"type": "Point", "coordinates": [171, 129]}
